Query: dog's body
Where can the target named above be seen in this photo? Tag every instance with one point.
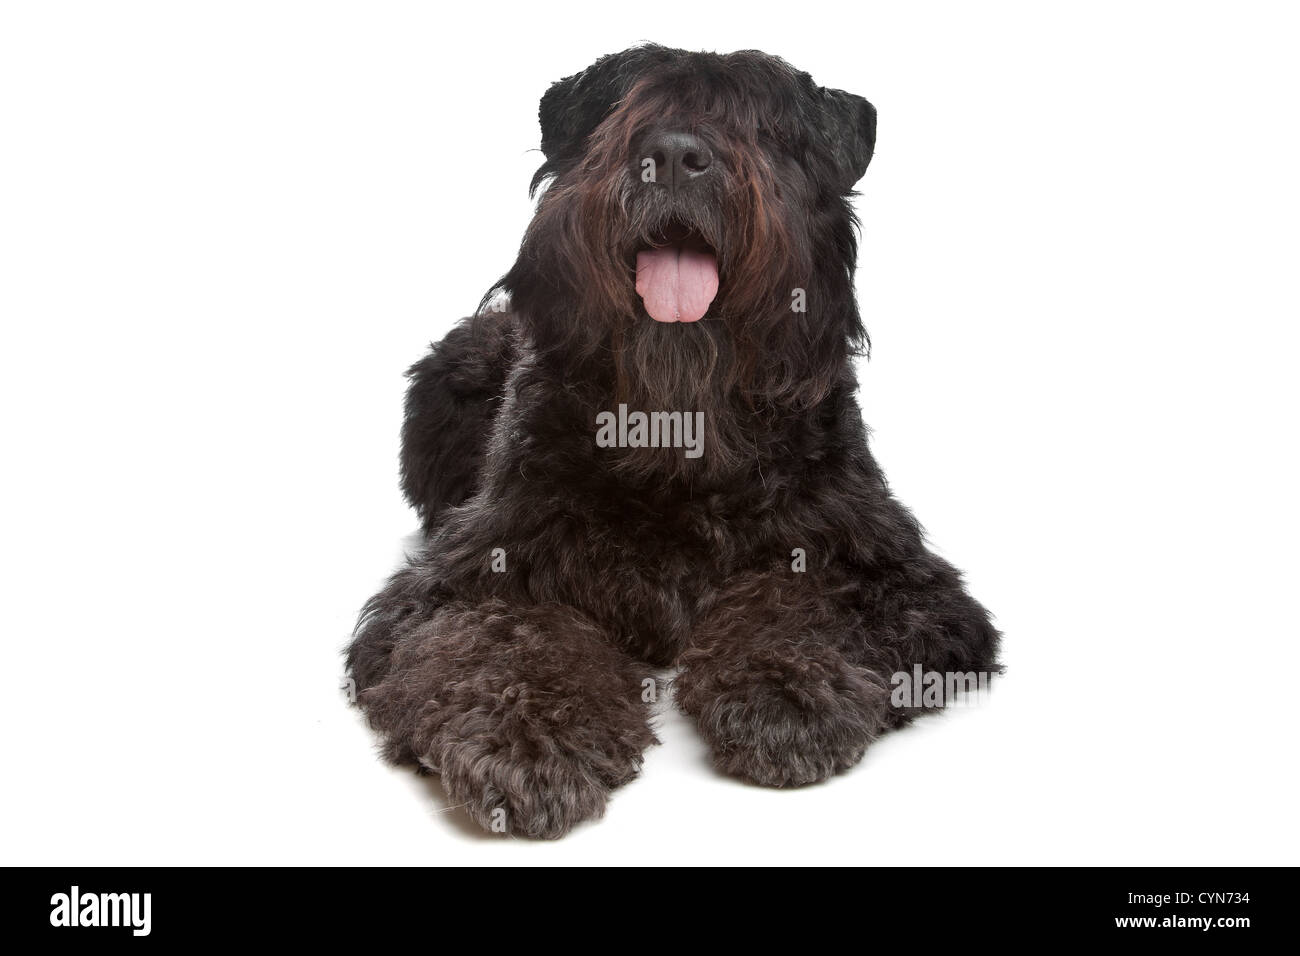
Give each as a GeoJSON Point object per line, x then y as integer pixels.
{"type": "Point", "coordinates": [774, 570]}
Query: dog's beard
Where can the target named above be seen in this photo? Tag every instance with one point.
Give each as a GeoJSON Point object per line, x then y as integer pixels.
{"type": "Point", "coordinates": [677, 367]}
{"type": "Point", "coordinates": [672, 367]}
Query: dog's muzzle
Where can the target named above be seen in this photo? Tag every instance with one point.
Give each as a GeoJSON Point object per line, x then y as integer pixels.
{"type": "Point", "coordinates": [677, 277]}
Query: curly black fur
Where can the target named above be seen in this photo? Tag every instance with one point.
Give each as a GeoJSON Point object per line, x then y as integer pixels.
{"type": "Point", "coordinates": [511, 656]}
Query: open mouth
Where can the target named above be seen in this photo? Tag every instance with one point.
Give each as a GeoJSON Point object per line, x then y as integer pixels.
{"type": "Point", "coordinates": [677, 274]}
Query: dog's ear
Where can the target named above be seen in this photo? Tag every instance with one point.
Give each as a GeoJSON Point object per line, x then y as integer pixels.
{"type": "Point", "coordinates": [573, 107]}
{"type": "Point", "coordinates": [850, 125]}
{"type": "Point", "coordinates": [559, 114]}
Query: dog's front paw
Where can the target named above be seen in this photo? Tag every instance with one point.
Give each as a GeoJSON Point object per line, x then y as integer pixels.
{"type": "Point", "coordinates": [783, 716]}
{"type": "Point", "coordinates": [530, 716]}
{"type": "Point", "coordinates": [543, 796]}
{"type": "Point", "coordinates": [530, 762]}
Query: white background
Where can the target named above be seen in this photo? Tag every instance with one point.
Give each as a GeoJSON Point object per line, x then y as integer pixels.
{"type": "Point", "coordinates": [226, 230]}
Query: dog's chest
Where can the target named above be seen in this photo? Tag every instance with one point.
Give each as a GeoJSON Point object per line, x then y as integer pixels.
{"type": "Point", "coordinates": [645, 573]}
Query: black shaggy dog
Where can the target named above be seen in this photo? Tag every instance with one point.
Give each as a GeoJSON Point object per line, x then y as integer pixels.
{"type": "Point", "coordinates": [693, 255]}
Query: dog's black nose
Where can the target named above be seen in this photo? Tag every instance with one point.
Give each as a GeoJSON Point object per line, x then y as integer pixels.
{"type": "Point", "coordinates": [676, 158]}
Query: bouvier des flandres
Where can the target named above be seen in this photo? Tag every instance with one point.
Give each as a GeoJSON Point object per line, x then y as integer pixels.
{"type": "Point", "coordinates": [644, 452]}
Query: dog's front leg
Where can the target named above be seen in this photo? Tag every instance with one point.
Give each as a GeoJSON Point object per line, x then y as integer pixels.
{"type": "Point", "coordinates": [772, 684]}
{"type": "Point", "coordinates": [790, 676]}
{"type": "Point", "coordinates": [528, 713]}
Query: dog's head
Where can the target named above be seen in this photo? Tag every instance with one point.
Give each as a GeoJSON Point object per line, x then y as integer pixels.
{"type": "Point", "coordinates": [696, 186]}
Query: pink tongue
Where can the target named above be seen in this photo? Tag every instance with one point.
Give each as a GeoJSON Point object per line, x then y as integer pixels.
{"type": "Point", "coordinates": [676, 284]}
